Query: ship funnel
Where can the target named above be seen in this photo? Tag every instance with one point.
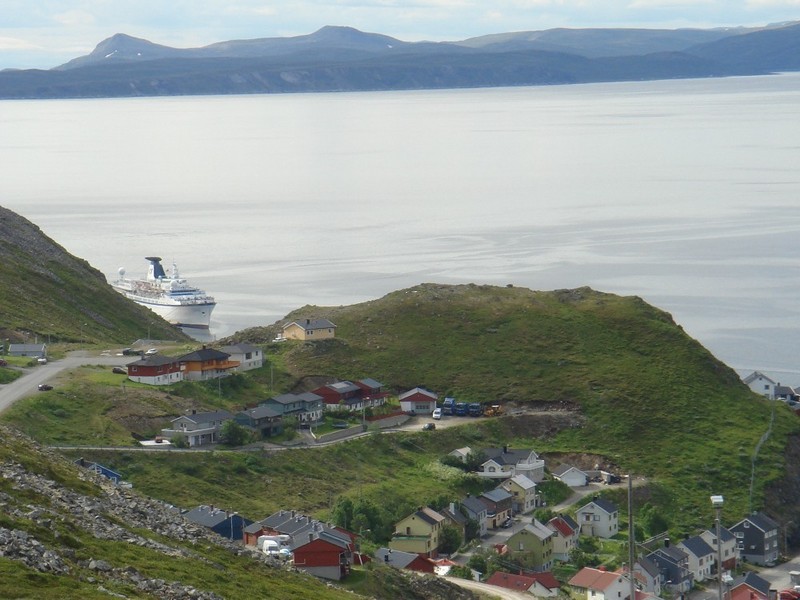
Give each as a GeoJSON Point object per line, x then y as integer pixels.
{"type": "Point", "coordinates": [121, 272]}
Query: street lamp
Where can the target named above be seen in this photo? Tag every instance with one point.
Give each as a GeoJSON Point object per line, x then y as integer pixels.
{"type": "Point", "coordinates": [717, 502]}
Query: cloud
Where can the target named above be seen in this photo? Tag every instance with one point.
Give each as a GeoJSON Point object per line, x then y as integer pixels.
{"type": "Point", "coordinates": [75, 18]}
{"type": "Point", "coordinates": [8, 43]}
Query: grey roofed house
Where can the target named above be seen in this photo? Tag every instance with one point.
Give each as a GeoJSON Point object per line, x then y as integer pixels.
{"type": "Point", "coordinates": [34, 350]}
{"type": "Point", "coordinates": [227, 524]}
{"type": "Point", "coordinates": [506, 456]}
{"type": "Point", "coordinates": [204, 354]}
{"type": "Point", "coordinates": [395, 558]}
{"type": "Point", "coordinates": [697, 546]}
{"type": "Point", "coordinates": [755, 581]}
{"type": "Point", "coordinates": [497, 495]}
{"type": "Point", "coordinates": [605, 505]}
{"type": "Point", "coordinates": [153, 360]}
{"type": "Point", "coordinates": [261, 412]}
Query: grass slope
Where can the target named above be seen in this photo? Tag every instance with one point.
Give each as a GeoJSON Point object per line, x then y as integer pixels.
{"type": "Point", "coordinates": [48, 294]}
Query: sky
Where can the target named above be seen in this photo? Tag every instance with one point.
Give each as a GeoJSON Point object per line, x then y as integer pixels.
{"type": "Point", "coordinates": [46, 33]}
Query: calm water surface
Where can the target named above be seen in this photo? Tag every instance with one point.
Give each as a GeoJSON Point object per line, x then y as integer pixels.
{"type": "Point", "coordinates": [686, 193]}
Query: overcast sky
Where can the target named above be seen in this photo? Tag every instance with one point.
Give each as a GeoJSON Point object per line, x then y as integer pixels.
{"type": "Point", "coordinates": [46, 33]}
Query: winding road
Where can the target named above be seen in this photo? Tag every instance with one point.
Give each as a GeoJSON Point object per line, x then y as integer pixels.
{"type": "Point", "coordinates": [28, 384]}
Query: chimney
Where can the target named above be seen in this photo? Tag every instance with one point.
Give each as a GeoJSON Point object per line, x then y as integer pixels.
{"type": "Point", "coordinates": [386, 557]}
{"type": "Point", "coordinates": [666, 542]}
{"type": "Point", "coordinates": [453, 508]}
{"type": "Point", "coordinates": [505, 449]}
{"type": "Point", "coordinates": [308, 321]}
{"type": "Point", "coordinates": [310, 536]}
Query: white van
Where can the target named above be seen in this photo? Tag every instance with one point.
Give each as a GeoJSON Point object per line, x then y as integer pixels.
{"type": "Point", "coordinates": [437, 413]}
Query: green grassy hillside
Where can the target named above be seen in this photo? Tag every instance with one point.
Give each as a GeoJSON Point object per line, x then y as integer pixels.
{"type": "Point", "coordinates": [50, 295]}
{"type": "Point", "coordinates": [654, 400]}
{"type": "Point", "coordinates": [638, 392]}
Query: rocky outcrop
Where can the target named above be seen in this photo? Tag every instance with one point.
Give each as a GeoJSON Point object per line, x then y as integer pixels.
{"type": "Point", "coordinates": [44, 509]}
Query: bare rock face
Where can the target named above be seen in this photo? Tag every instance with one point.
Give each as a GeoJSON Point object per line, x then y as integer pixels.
{"type": "Point", "coordinates": [100, 516]}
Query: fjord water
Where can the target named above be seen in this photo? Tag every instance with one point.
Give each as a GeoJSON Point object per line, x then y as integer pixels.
{"type": "Point", "coordinates": [686, 193]}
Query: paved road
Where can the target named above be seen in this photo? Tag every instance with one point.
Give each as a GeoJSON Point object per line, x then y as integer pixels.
{"type": "Point", "coordinates": [28, 384]}
{"type": "Point", "coordinates": [492, 591]}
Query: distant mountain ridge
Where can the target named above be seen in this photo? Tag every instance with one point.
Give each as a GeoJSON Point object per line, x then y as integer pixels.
{"type": "Point", "coordinates": [346, 59]}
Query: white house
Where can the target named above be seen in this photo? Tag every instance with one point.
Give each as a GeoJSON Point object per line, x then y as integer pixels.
{"type": "Point", "coordinates": [418, 401]}
{"type": "Point", "coordinates": [761, 384]}
{"type": "Point", "coordinates": [598, 584]}
{"type": "Point", "coordinates": [702, 557]}
{"type": "Point", "coordinates": [198, 428]}
{"type": "Point", "coordinates": [728, 550]}
{"type": "Point", "coordinates": [249, 357]}
{"type": "Point", "coordinates": [598, 518]}
{"type": "Point", "coordinates": [504, 462]}
{"type": "Point", "coordinates": [572, 476]}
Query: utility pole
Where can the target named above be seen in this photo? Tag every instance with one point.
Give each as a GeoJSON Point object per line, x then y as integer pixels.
{"type": "Point", "coordinates": [717, 502]}
{"type": "Point", "coordinates": [631, 539]}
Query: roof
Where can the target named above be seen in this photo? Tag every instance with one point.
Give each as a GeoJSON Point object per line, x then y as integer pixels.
{"type": "Point", "coordinates": [593, 579]}
{"type": "Point", "coordinates": [601, 503]}
{"type": "Point", "coordinates": [429, 515]}
{"type": "Point", "coordinates": [506, 455]}
{"type": "Point", "coordinates": [205, 417]}
{"type": "Point", "coordinates": [671, 553]}
{"type": "Point", "coordinates": [546, 579]}
{"type": "Point", "coordinates": [285, 399]}
{"type": "Point", "coordinates": [496, 495]}
{"type": "Point", "coordinates": [204, 354]}
{"type": "Point", "coordinates": [154, 360]}
{"type": "Point", "coordinates": [563, 469]}
{"type": "Point", "coordinates": [511, 581]}
{"type": "Point", "coordinates": [757, 375]}
{"type": "Point", "coordinates": [760, 520]}
{"type": "Point", "coordinates": [309, 397]}
{"type": "Point", "coordinates": [561, 525]}
{"type": "Point", "coordinates": [473, 504]}
{"type": "Point", "coordinates": [648, 566]}
{"type": "Point", "coordinates": [309, 324]}
{"type": "Point", "coordinates": [342, 387]}
{"type": "Point", "coordinates": [419, 390]}
{"type": "Point", "coordinates": [724, 533]}
{"type": "Point", "coordinates": [754, 581]}
{"type": "Point", "coordinates": [370, 383]}
{"type": "Point", "coordinates": [395, 558]}
{"type": "Point", "coordinates": [697, 546]}
{"type": "Point", "coordinates": [454, 515]}
{"type": "Point", "coordinates": [260, 412]}
{"type": "Point", "coordinates": [238, 348]}
{"type": "Point", "coordinates": [26, 347]}
{"type": "Point", "coordinates": [524, 482]}
{"type": "Point", "coordinates": [207, 516]}
{"type": "Point", "coordinates": [540, 531]}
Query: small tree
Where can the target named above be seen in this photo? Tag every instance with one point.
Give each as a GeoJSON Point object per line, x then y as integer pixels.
{"type": "Point", "coordinates": [234, 434]}
{"type": "Point", "coordinates": [450, 539]}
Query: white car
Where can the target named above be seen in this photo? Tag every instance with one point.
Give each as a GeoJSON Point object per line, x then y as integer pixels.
{"type": "Point", "coordinates": [437, 413]}
{"type": "Point", "coordinates": [152, 351]}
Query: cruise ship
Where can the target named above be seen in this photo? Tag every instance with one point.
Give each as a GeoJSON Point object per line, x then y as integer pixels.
{"type": "Point", "coordinates": [171, 297]}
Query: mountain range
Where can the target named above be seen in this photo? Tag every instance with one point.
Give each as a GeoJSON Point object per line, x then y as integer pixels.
{"type": "Point", "coordinates": [346, 59]}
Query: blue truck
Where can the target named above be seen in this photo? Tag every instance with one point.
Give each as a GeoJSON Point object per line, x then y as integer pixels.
{"type": "Point", "coordinates": [460, 409]}
{"type": "Point", "coordinates": [475, 409]}
{"type": "Point", "coordinates": [447, 406]}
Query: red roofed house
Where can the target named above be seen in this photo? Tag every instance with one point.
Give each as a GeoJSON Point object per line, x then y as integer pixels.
{"type": "Point", "coordinates": [599, 584]}
{"type": "Point", "coordinates": [405, 560]}
{"type": "Point", "coordinates": [509, 581]}
{"type": "Point", "coordinates": [418, 401]}
{"type": "Point", "coordinates": [341, 394]}
{"type": "Point", "coordinates": [566, 533]}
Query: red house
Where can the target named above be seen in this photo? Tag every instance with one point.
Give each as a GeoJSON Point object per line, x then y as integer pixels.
{"type": "Point", "coordinates": [156, 370]}
{"type": "Point", "coordinates": [341, 393]}
{"type": "Point", "coordinates": [325, 554]}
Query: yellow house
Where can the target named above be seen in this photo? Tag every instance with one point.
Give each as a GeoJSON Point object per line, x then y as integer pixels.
{"type": "Point", "coordinates": [309, 329]}
{"type": "Point", "coordinates": [419, 533]}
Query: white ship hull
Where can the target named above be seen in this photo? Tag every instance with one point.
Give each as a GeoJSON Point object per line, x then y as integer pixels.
{"type": "Point", "coordinates": [171, 297]}
{"type": "Point", "coordinates": [192, 315]}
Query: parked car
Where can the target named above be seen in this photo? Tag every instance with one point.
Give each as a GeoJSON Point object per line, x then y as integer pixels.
{"type": "Point", "coordinates": [429, 427]}
{"type": "Point", "coordinates": [152, 351]}
{"type": "Point", "coordinates": [119, 371]}
{"type": "Point", "coordinates": [3, 363]}
{"type": "Point", "coordinates": [508, 523]}
{"type": "Point", "coordinates": [44, 387]}
{"type": "Point", "coordinates": [129, 351]}
{"type": "Point", "coordinates": [41, 360]}
{"type": "Point", "coordinates": [437, 413]}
